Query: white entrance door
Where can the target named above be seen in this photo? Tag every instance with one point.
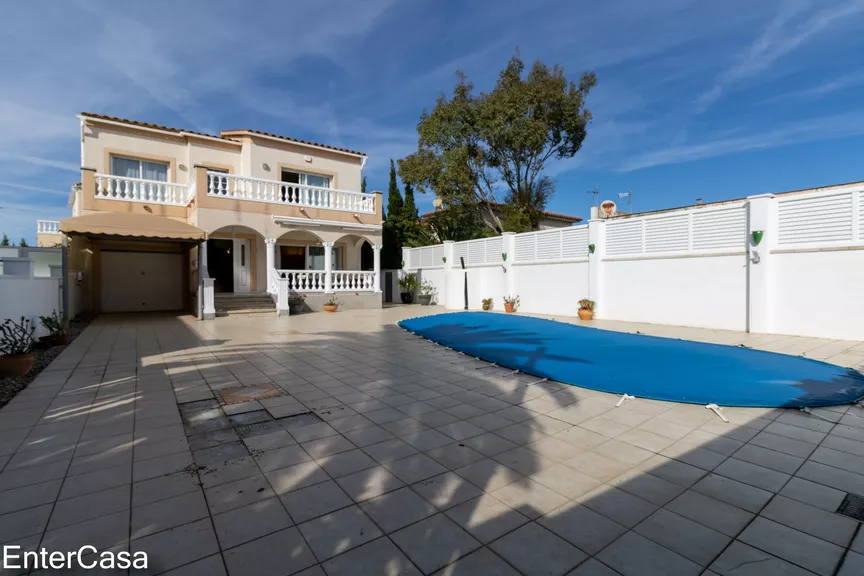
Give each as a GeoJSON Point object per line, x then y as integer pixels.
{"type": "Point", "coordinates": [242, 266]}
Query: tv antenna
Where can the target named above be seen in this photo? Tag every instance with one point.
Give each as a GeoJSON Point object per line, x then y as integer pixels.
{"type": "Point", "coordinates": [596, 193]}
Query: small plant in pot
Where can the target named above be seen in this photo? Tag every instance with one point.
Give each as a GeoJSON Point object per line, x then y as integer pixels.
{"type": "Point", "coordinates": [295, 303]}
{"type": "Point", "coordinates": [487, 304]}
{"type": "Point", "coordinates": [407, 286]}
{"type": "Point", "coordinates": [58, 329]}
{"type": "Point", "coordinates": [331, 305]}
{"type": "Point", "coordinates": [427, 291]}
{"type": "Point", "coordinates": [16, 345]}
{"type": "Point", "coordinates": [586, 309]}
{"type": "Point", "coordinates": [511, 303]}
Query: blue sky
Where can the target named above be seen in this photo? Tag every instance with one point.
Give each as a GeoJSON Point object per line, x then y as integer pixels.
{"type": "Point", "coordinates": [695, 99]}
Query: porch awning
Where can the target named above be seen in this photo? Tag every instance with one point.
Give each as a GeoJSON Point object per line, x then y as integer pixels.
{"type": "Point", "coordinates": [131, 225]}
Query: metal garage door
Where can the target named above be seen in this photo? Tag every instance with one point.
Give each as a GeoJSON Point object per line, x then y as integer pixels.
{"type": "Point", "coordinates": [141, 281]}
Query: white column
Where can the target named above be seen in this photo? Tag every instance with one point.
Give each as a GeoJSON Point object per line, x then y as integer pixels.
{"type": "Point", "coordinates": [761, 219]}
{"type": "Point", "coordinates": [207, 291]}
{"type": "Point", "coordinates": [509, 248]}
{"type": "Point", "coordinates": [271, 262]}
{"type": "Point", "coordinates": [376, 259]}
{"type": "Point", "coordinates": [328, 266]}
{"type": "Point", "coordinates": [597, 239]}
{"type": "Point", "coordinates": [449, 264]}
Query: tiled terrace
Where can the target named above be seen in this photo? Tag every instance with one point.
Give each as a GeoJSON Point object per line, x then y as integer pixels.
{"type": "Point", "coordinates": [376, 452]}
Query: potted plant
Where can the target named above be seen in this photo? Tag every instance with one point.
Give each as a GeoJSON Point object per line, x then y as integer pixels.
{"type": "Point", "coordinates": [487, 304]}
{"type": "Point", "coordinates": [16, 344]}
{"type": "Point", "coordinates": [57, 327]}
{"type": "Point", "coordinates": [295, 303]}
{"type": "Point", "coordinates": [586, 309]}
{"type": "Point", "coordinates": [407, 285]}
{"type": "Point", "coordinates": [331, 304]}
{"type": "Point", "coordinates": [427, 291]}
{"type": "Point", "coordinates": [511, 303]}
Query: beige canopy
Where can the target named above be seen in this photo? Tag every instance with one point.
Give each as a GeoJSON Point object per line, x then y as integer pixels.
{"type": "Point", "coordinates": [131, 225]}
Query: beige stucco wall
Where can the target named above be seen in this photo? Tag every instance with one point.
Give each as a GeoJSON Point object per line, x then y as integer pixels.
{"type": "Point", "coordinates": [343, 169]}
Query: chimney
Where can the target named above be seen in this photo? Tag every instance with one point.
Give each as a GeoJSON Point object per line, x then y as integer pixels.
{"type": "Point", "coordinates": [698, 202]}
{"type": "Point", "coordinates": [595, 212]}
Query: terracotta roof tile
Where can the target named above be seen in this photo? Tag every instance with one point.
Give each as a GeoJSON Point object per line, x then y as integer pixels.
{"type": "Point", "coordinates": [149, 125]}
{"type": "Point", "coordinates": [288, 139]}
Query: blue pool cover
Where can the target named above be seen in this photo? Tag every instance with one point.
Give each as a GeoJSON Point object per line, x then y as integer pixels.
{"type": "Point", "coordinates": [644, 366]}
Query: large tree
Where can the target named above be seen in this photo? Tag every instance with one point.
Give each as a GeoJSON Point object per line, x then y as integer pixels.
{"type": "Point", "coordinates": [473, 149]}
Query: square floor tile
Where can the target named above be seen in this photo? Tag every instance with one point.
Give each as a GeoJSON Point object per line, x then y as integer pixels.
{"type": "Point", "coordinates": [434, 542]}
{"type": "Point", "coordinates": [164, 514]}
{"type": "Point", "coordinates": [369, 483]}
{"type": "Point", "coordinates": [395, 510]}
{"type": "Point", "coordinates": [338, 532]}
{"type": "Point", "coordinates": [793, 546]}
{"type": "Point", "coordinates": [533, 549]}
{"type": "Point", "coordinates": [483, 562]}
{"type": "Point", "coordinates": [378, 558]}
{"type": "Point", "coordinates": [635, 555]}
{"type": "Point", "coordinates": [389, 450]}
{"type": "Point", "coordinates": [346, 463]}
{"type": "Point", "coordinates": [283, 552]}
{"type": "Point", "coordinates": [686, 537]}
{"type": "Point", "coordinates": [486, 518]}
{"type": "Point", "coordinates": [316, 500]}
{"type": "Point", "coordinates": [739, 559]}
{"type": "Point", "coordinates": [582, 527]}
{"type": "Point", "coordinates": [709, 512]}
{"type": "Point", "coordinates": [247, 523]}
{"type": "Point", "coordinates": [530, 498]}
{"type": "Point", "coordinates": [446, 490]}
{"type": "Point", "coordinates": [415, 468]}
{"type": "Point", "coordinates": [178, 546]}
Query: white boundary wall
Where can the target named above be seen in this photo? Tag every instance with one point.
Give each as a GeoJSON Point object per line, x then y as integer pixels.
{"type": "Point", "coordinates": [697, 266]}
{"type": "Point", "coordinates": [29, 296]}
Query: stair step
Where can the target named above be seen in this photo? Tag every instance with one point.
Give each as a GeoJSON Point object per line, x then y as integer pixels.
{"type": "Point", "coordinates": [245, 311]}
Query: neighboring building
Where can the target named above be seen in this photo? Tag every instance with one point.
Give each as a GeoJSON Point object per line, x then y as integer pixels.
{"type": "Point", "coordinates": [46, 262]}
{"type": "Point", "coordinates": [162, 215]}
{"type": "Point", "coordinates": [547, 222]}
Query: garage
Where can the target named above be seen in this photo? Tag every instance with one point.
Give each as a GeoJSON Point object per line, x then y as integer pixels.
{"type": "Point", "coordinates": [141, 281]}
{"type": "Point", "coordinates": [128, 262]}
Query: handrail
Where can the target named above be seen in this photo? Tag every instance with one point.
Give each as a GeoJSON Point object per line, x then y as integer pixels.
{"type": "Point", "coordinates": [254, 189]}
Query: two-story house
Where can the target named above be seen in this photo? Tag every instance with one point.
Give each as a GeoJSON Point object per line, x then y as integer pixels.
{"type": "Point", "coordinates": [170, 219]}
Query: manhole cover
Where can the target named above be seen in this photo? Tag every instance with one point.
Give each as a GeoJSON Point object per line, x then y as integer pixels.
{"type": "Point", "coordinates": [853, 507]}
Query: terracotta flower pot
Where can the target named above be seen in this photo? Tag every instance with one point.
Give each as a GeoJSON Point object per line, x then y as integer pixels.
{"type": "Point", "coordinates": [508, 308]}
{"type": "Point", "coordinates": [585, 314]}
{"type": "Point", "coordinates": [15, 365]}
{"type": "Point", "coordinates": [330, 307]}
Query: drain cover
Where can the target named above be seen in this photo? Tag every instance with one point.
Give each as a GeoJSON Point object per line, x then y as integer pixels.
{"type": "Point", "coordinates": [853, 507]}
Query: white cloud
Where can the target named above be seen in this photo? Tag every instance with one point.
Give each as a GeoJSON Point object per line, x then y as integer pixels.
{"type": "Point", "coordinates": [816, 129]}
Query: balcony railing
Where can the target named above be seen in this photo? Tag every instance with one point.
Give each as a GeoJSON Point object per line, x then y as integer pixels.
{"type": "Point", "coordinates": [316, 280]}
{"type": "Point", "coordinates": [223, 185]}
{"type": "Point", "coordinates": [47, 227]}
{"type": "Point", "coordinates": [110, 187]}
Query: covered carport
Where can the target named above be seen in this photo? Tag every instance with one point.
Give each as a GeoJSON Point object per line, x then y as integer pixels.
{"type": "Point", "coordinates": [122, 262]}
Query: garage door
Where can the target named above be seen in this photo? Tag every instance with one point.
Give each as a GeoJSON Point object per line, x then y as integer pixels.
{"type": "Point", "coordinates": [141, 281]}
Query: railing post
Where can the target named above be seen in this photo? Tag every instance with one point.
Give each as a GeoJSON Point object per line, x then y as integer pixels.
{"type": "Point", "coordinates": [271, 262]}
{"type": "Point", "coordinates": [328, 267]}
{"type": "Point", "coordinates": [376, 266]}
{"type": "Point", "coordinates": [596, 238]}
{"type": "Point", "coordinates": [282, 297]}
{"type": "Point", "coordinates": [763, 213]}
{"type": "Point", "coordinates": [509, 248]}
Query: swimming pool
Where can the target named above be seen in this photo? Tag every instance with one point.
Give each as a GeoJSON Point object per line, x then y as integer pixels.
{"type": "Point", "coordinates": [644, 366]}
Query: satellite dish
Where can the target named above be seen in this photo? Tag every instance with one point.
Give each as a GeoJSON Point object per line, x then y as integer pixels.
{"type": "Point", "coordinates": [607, 209]}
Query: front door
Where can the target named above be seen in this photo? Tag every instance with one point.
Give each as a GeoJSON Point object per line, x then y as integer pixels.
{"type": "Point", "coordinates": [242, 266]}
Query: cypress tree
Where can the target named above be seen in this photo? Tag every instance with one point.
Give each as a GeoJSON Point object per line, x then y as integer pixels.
{"type": "Point", "coordinates": [394, 197]}
{"type": "Point", "coordinates": [409, 208]}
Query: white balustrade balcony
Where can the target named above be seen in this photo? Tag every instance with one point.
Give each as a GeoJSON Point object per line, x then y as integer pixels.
{"type": "Point", "coordinates": [340, 280]}
{"type": "Point", "coordinates": [110, 187]}
{"type": "Point", "coordinates": [303, 280]}
{"type": "Point", "coordinates": [352, 281]}
{"type": "Point", "coordinates": [222, 185]}
{"type": "Point", "coordinates": [47, 227]}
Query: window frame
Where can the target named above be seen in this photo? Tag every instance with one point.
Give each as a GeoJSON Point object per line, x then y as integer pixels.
{"type": "Point", "coordinates": [168, 172]}
{"type": "Point", "coordinates": [301, 176]}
